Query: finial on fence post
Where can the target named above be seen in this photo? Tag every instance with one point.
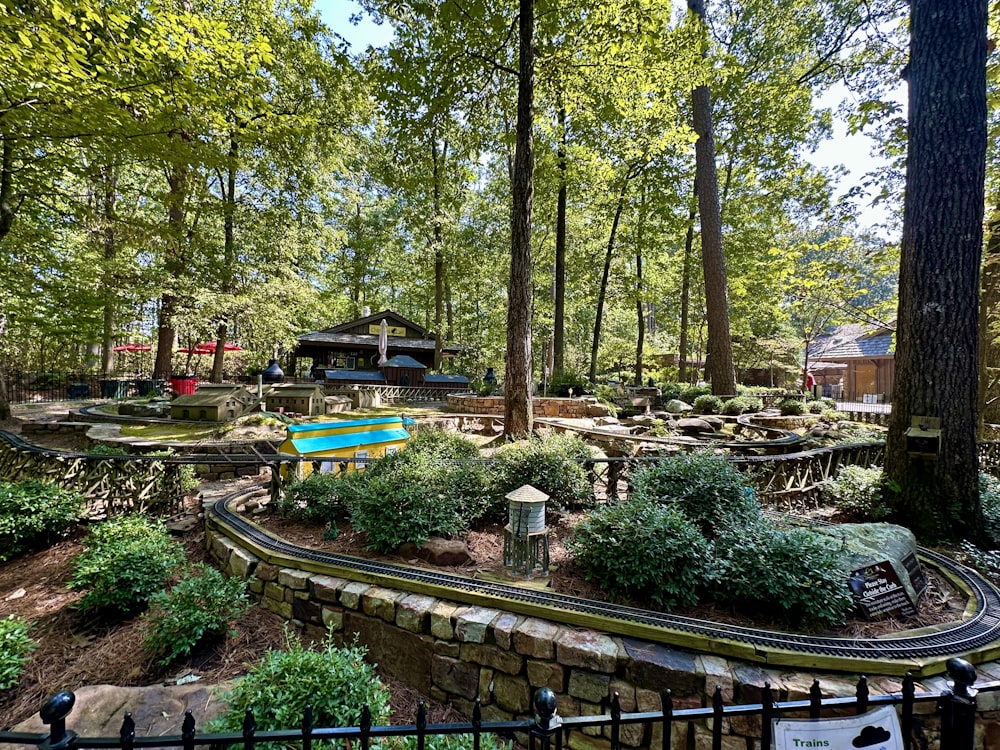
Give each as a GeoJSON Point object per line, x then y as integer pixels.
{"type": "Point", "coordinates": [54, 713]}
{"type": "Point", "coordinates": [547, 721]}
{"type": "Point", "coordinates": [958, 706]}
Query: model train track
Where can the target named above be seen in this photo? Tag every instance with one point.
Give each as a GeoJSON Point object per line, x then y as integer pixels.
{"type": "Point", "coordinates": [976, 636]}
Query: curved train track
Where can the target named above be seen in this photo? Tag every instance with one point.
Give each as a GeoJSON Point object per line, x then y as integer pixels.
{"type": "Point", "coordinates": [921, 652]}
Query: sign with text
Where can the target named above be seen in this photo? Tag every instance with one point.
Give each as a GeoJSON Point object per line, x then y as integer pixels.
{"type": "Point", "coordinates": [878, 591]}
{"type": "Point", "coordinates": [917, 578]}
{"type": "Point", "coordinates": [389, 330]}
{"type": "Point", "coordinates": [877, 730]}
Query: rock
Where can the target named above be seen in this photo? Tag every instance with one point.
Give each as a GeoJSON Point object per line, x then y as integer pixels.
{"type": "Point", "coordinates": [717, 423]}
{"type": "Point", "coordinates": [868, 543]}
{"type": "Point", "coordinates": [605, 421]}
{"type": "Point", "coordinates": [156, 710]}
{"type": "Point", "coordinates": [694, 425]}
{"type": "Point", "coordinates": [437, 551]}
{"type": "Point", "coordinates": [676, 406]}
{"type": "Point", "coordinates": [646, 420]}
{"type": "Point", "coordinates": [598, 410]}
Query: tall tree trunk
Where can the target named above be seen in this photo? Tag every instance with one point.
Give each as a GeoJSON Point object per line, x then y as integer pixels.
{"type": "Point", "coordinates": [517, 379]}
{"type": "Point", "coordinates": [229, 252]}
{"type": "Point", "coordinates": [177, 182]}
{"type": "Point", "coordinates": [8, 206]}
{"type": "Point", "coordinates": [437, 166]}
{"type": "Point", "coordinates": [719, 365]}
{"type": "Point", "coordinates": [682, 373]}
{"type": "Point", "coordinates": [989, 321]}
{"type": "Point", "coordinates": [559, 313]}
{"type": "Point", "coordinates": [602, 293]}
{"type": "Point", "coordinates": [640, 291]}
{"type": "Point", "coordinates": [108, 191]}
{"type": "Point", "coordinates": [938, 316]}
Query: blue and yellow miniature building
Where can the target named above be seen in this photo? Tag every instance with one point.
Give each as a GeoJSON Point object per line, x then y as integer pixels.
{"type": "Point", "coordinates": [334, 446]}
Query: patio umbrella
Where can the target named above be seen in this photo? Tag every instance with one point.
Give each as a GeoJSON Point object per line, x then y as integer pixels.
{"type": "Point", "coordinates": [133, 348]}
{"type": "Point", "coordinates": [383, 343]}
{"type": "Point", "coordinates": [196, 350]}
{"type": "Point", "coordinates": [208, 347]}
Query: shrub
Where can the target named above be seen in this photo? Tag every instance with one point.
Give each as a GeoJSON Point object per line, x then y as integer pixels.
{"type": "Point", "coordinates": [201, 605]}
{"type": "Point", "coordinates": [815, 407]}
{"type": "Point", "coordinates": [125, 561]}
{"type": "Point", "coordinates": [107, 449]}
{"type": "Point", "coordinates": [791, 407]}
{"type": "Point", "coordinates": [707, 404]}
{"type": "Point", "coordinates": [400, 499]}
{"type": "Point", "coordinates": [742, 405]}
{"type": "Point", "coordinates": [188, 477]}
{"type": "Point", "coordinates": [858, 492]}
{"type": "Point", "coordinates": [15, 646]}
{"type": "Point", "coordinates": [688, 393]}
{"type": "Point", "coordinates": [795, 575]}
{"type": "Point", "coordinates": [707, 489]}
{"type": "Point", "coordinates": [989, 499]}
{"type": "Point", "coordinates": [442, 445]}
{"type": "Point", "coordinates": [32, 513]}
{"type": "Point", "coordinates": [643, 549]}
{"type": "Point", "coordinates": [553, 465]}
{"type": "Point", "coordinates": [316, 499]}
{"type": "Point", "coordinates": [335, 682]}
{"type": "Point", "coordinates": [561, 384]}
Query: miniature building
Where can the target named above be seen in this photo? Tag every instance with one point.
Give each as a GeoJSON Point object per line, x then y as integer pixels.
{"type": "Point", "coordinates": [304, 399]}
{"type": "Point", "coordinates": [333, 446]}
{"type": "Point", "coordinates": [213, 402]}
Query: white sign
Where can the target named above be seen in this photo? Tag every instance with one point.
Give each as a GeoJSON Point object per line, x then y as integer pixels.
{"type": "Point", "coordinates": [875, 730]}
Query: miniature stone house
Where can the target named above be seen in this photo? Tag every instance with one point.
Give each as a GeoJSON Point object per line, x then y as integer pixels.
{"type": "Point", "coordinates": [213, 403]}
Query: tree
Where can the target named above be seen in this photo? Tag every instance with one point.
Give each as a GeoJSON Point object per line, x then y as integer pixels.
{"type": "Point", "coordinates": [937, 322]}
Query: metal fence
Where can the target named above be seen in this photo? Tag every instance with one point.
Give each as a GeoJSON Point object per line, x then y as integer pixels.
{"type": "Point", "coordinates": [44, 387]}
{"type": "Point", "coordinates": [956, 712]}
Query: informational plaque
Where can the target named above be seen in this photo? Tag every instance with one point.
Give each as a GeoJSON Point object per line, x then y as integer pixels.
{"type": "Point", "coordinates": [877, 730]}
{"type": "Point", "coordinates": [917, 578]}
{"type": "Point", "coordinates": [879, 592]}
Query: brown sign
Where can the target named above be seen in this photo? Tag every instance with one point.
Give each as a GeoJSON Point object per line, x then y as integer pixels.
{"type": "Point", "coordinates": [879, 592]}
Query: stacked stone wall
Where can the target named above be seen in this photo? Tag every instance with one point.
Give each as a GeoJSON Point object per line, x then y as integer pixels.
{"type": "Point", "coordinates": [455, 653]}
{"type": "Point", "coordinates": [565, 408]}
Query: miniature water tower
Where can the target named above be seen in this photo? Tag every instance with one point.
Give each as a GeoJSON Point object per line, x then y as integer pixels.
{"type": "Point", "coordinates": [526, 537]}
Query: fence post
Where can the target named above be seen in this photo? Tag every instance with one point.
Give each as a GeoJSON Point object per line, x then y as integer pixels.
{"type": "Point", "coordinates": [547, 722]}
{"type": "Point", "coordinates": [958, 707]}
{"type": "Point", "coordinates": [54, 713]}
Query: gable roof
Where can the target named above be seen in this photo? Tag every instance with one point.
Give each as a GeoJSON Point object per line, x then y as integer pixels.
{"type": "Point", "coordinates": [389, 317]}
{"type": "Point", "coordinates": [402, 360]}
{"type": "Point", "coordinates": [854, 341]}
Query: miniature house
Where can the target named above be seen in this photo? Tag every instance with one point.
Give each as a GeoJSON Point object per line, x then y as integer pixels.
{"type": "Point", "coordinates": [303, 398]}
{"type": "Point", "coordinates": [335, 446]}
{"type": "Point", "coordinates": [213, 402]}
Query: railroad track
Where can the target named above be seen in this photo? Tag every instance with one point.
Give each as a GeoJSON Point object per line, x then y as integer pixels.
{"type": "Point", "coordinates": [974, 637]}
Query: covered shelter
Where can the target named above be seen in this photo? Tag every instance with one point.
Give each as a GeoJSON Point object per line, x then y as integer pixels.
{"type": "Point", "coordinates": [861, 356]}
{"type": "Point", "coordinates": [334, 446]}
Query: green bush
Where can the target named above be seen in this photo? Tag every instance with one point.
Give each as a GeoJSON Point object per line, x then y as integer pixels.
{"type": "Point", "coordinates": [707, 404]}
{"type": "Point", "coordinates": [32, 513]}
{"type": "Point", "coordinates": [857, 491]}
{"type": "Point", "coordinates": [643, 549]}
{"type": "Point", "coordinates": [553, 465]}
{"type": "Point", "coordinates": [707, 489]}
{"type": "Point", "coordinates": [794, 575]}
{"type": "Point", "coordinates": [791, 407]}
{"type": "Point", "coordinates": [316, 499]}
{"type": "Point", "coordinates": [815, 407]}
{"type": "Point", "coordinates": [561, 385]}
{"type": "Point", "coordinates": [400, 498]}
{"type": "Point", "coordinates": [200, 606]}
{"type": "Point", "coordinates": [989, 499]}
{"type": "Point", "coordinates": [742, 405]}
{"type": "Point", "coordinates": [688, 393]}
{"type": "Point", "coordinates": [107, 449]}
{"type": "Point", "coordinates": [189, 480]}
{"type": "Point", "coordinates": [15, 647]}
{"type": "Point", "coordinates": [442, 445]}
{"type": "Point", "coordinates": [335, 682]}
{"type": "Point", "coordinates": [125, 561]}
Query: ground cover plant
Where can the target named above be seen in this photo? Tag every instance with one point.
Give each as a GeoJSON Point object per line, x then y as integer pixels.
{"type": "Point", "coordinates": [34, 513]}
{"type": "Point", "coordinates": [15, 647]}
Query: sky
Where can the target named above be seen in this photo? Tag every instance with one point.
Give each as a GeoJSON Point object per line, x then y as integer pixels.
{"type": "Point", "coordinates": [854, 152]}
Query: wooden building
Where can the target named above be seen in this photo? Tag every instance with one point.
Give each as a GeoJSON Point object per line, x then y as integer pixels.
{"type": "Point", "coordinates": [334, 446]}
{"type": "Point", "coordinates": [858, 358]}
{"type": "Point", "coordinates": [213, 402]}
{"type": "Point", "coordinates": [303, 398]}
{"type": "Point", "coordinates": [349, 352]}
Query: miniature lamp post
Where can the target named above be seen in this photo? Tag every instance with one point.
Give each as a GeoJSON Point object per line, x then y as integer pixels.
{"type": "Point", "coordinates": [526, 537]}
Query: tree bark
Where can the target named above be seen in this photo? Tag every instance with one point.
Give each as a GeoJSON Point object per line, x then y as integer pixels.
{"type": "Point", "coordinates": [937, 328]}
{"type": "Point", "coordinates": [437, 165]}
{"type": "Point", "coordinates": [719, 365]}
{"type": "Point", "coordinates": [177, 182]}
{"type": "Point", "coordinates": [682, 346]}
{"type": "Point", "coordinates": [559, 313]}
{"type": "Point", "coordinates": [108, 192]}
{"type": "Point", "coordinates": [989, 321]}
{"type": "Point", "coordinates": [229, 254]}
{"type": "Point", "coordinates": [517, 379]}
{"type": "Point", "coordinates": [640, 312]}
{"type": "Point", "coordinates": [603, 291]}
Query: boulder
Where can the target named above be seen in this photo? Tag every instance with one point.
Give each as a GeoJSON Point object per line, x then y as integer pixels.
{"type": "Point", "coordinates": [869, 543]}
{"type": "Point", "coordinates": [717, 422]}
{"type": "Point", "coordinates": [437, 551]}
{"type": "Point", "coordinates": [605, 421]}
{"type": "Point", "coordinates": [694, 425]}
{"type": "Point", "coordinates": [676, 406]}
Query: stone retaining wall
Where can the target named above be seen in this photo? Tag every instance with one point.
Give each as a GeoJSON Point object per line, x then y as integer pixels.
{"type": "Point", "coordinates": [455, 653]}
{"type": "Point", "coordinates": [566, 408]}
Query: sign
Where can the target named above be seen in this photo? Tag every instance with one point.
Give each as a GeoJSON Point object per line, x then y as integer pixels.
{"type": "Point", "coordinates": [878, 591]}
{"type": "Point", "coordinates": [917, 578]}
{"type": "Point", "coordinates": [876, 730]}
{"type": "Point", "coordinates": [390, 330]}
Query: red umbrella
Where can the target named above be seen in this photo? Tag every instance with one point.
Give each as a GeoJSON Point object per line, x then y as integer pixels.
{"type": "Point", "coordinates": [196, 350]}
{"type": "Point", "coordinates": [208, 347]}
{"type": "Point", "coordinates": [133, 348]}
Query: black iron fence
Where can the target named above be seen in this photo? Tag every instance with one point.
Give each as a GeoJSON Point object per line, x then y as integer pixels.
{"type": "Point", "coordinates": [955, 717]}
{"type": "Point", "coordinates": [43, 387]}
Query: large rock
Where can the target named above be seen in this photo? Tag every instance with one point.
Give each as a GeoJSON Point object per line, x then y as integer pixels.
{"type": "Point", "coordinates": [694, 425]}
{"type": "Point", "coordinates": [156, 710]}
{"type": "Point", "coordinates": [676, 406]}
{"type": "Point", "coordinates": [868, 543]}
{"type": "Point", "coordinates": [437, 551]}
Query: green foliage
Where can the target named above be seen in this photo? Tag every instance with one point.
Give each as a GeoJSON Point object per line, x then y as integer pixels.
{"type": "Point", "coordinates": [315, 499]}
{"type": "Point", "coordinates": [107, 449]}
{"type": "Point", "coordinates": [688, 393]}
{"type": "Point", "coordinates": [32, 513]}
{"type": "Point", "coordinates": [989, 499]}
{"type": "Point", "coordinates": [815, 407]}
{"type": "Point", "coordinates": [643, 549]}
{"type": "Point", "coordinates": [335, 682]}
{"type": "Point", "coordinates": [791, 407]}
{"type": "Point", "coordinates": [442, 444]}
{"type": "Point", "coordinates": [15, 647]}
{"type": "Point", "coordinates": [199, 606]}
{"type": "Point", "coordinates": [125, 561]}
{"type": "Point", "coordinates": [707, 404]}
{"type": "Point", "coordinates": [189, 480]}
{"type": "Point", "coordinates": [793, 574]}
{"type": "Point", "coordinates": [706, 488]}
{"type": "Point", "coordinates": [551, 465]}
{"type": "Point", "coordinates": [560, 385]}
{"type": "Point", "coordinates": [858, 492]}
{"type": "Point", "coordinates": [742, 405]}
{"type": "Point", "coordinates": [487, 741]}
